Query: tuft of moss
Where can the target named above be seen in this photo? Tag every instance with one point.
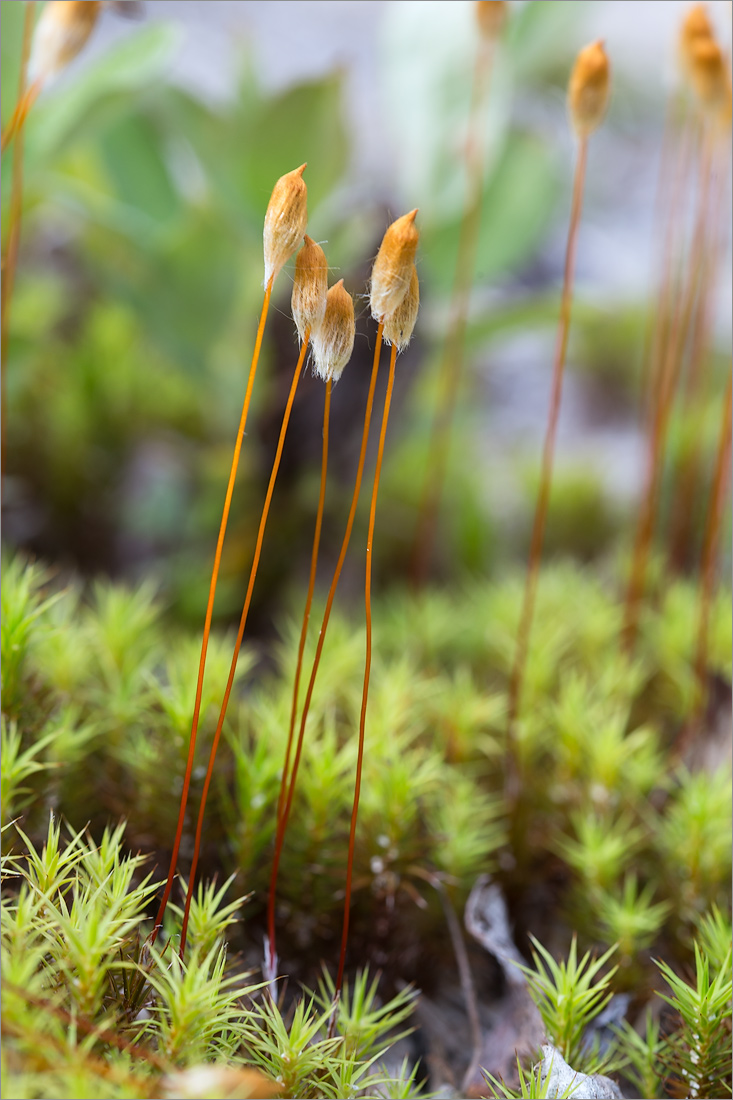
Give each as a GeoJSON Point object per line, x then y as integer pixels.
{"type": "Point", "coordinates": [605, 820]}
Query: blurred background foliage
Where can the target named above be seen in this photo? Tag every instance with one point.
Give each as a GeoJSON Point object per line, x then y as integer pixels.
{"type": "Point", "coordinates": [139, 288]}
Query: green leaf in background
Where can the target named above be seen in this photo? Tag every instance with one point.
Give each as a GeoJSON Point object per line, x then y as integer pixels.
{"type": "Point", "coordinates": [518, 202]}
{"type": "Point", "coordinates": [544, 37]}
{"type": "Point", "coordinates": [215, 144]}
{"type": "Point", "coordinates": [67, 110]}
{"type": "Point", "coordinates": [133, 153]}
{"type": "Point", "coordinates": [514, 315]}
{"type": "Point", "coordinates": [74, 110]}
{"type": "Point", "coordinates": [183, 290]}
{"type": "Point", "coordinates": [241, 153]}
{"type": "Point", "coordinates": [305, 123]}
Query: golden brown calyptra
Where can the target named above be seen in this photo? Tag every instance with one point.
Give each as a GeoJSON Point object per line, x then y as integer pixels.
{"type": "Point", "coordinates": [392, 269]}
{"type": "Point", "coordinates": [310, 288]}
{"type": "Point", "coordinates": [695, 26]}
{"type": "Point", "coordinates": [491, 16]}
{"type": "Point", "coordinates": [61, 32]}
{"type": "Point", "coordinates": [398, 325]}
{"type": "Point", "coordinates": [333, 341]}
{"type": "Point", "coordinates": [285, 221]}
{"type": "Point", "coordinates": [589, 88]}
{"type": "Point", "coordinates": [710, 75]}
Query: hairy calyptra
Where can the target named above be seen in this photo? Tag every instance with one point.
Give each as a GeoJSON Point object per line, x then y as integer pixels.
{"type": "Point", "coordinates": [392, 269]}
{"type": "Point", "coordinates": [333, 342]}
{"type": "Point", "coordinates": [310, 288]}
{"type": "Point", "coordinates": [285, 221]}
{"type": "Point", "coordinates": [588, 90]}
{"type": "Point", "coordinates": [399, 325]}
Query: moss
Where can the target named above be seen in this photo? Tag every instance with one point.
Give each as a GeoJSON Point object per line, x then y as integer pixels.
{"type": "Point", "coordinates": [103, 736]}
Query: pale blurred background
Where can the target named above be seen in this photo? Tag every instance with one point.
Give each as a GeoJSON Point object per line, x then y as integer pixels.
{"type": "Point", "coordinates": [149, 168]}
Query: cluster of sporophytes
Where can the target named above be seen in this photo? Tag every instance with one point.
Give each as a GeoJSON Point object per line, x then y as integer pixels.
{"type": "Point", "coordinates": [324, 318]}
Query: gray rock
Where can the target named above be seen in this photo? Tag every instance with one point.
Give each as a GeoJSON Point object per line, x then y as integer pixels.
{"type": "Point", "coordinates": [562, 1080]}
{"type": "Point", "coordinates": [487, 920]}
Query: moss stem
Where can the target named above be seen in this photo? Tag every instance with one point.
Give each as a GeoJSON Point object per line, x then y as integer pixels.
{"type": "Point", "coordinates": [240, 634]}
{"type": "Point", "coordinates": [210, 609]}
{"type": "Point", "coordinates": [367, 672]}
{"type": "Point", "coordinates": [711, 540]}
{"type": "Point", "coordinates": [671, 185]}
{"type": "Point", "coordinates": [662, 401]}
{"type": "Point", "coordinates": [301, 646]}
{"type": "Point", "coordinates": [548, 454]}
{"type": "Point", "coordinates": [451, 363]}
{"type": "Point", "coordinates": [283, 822]}
{"type": "Point", "coordinates": [684, 511]}
{"type": "Point", "coordinates": [12, 242]}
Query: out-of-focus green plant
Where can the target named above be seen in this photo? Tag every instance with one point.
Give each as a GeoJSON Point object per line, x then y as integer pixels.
{"type": "Point", "coordinates": [21, 607]}
{"type": "Point", "coordinates": [602, 849]}
{"type": "Point", "coordinates": [691, 834]}
{"type": "Point", "coordinates": [630, 918]}
{"type": "Point", "coordinates": [581, 520]}
{"type": "Point", "coordinates": [18, 764]}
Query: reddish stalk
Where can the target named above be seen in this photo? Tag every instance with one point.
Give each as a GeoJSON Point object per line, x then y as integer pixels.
{"type": "Point", "coordinates": [666, 387]}
{"type": "Point", "coordinates": [451, 364]}
{"type": "Point", "coordinates": [707, 567]}
{"type": "Point", "coordinates": [240, 634]}
{"type": "Point", "coordinates": [301, 647]}
{"type": "Point", "coordinates": [548, 454]}
{"type": "Point", "coordinates": [209, 611]}
{"type": "Point", "coordinates": [669, 260]}
{"type": "Point", "coordinates": [12, 243]}
{"type": "Point", "coordinates": [367, 672]}
{"type": "Point", "coordinates": [715, 246]}
{"type": "Point", "coordinates": [309, 597]}
{"type": "Point", "coordinates": [283, 821]}
{"type": "Point", "coordinates": [712, 535]}
{"type": "Point", "coordinates": [19, 115]}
